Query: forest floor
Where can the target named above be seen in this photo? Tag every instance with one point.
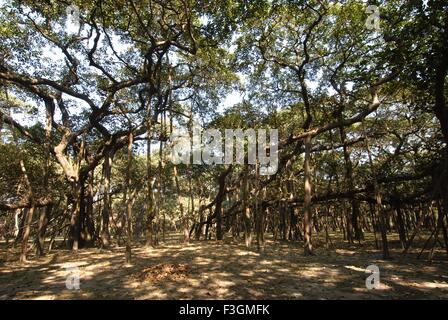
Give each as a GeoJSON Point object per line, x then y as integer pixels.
{"type": "Point", "coordinates": [227, 270]}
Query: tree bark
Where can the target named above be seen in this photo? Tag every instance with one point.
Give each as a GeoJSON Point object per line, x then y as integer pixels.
{"type": "Point", "coordinates": [128, 200]}
{"type": "Point", "coordinates": [74, 233]}
{"type": "Point", "coordinates": [307, 205]}
{"type": "Point", "coordinates": [105, 214]}
{"type": "Point", "coordinates": [45, 214]}
{"type": "Point", "coordinates": [379, 206]}
{"type": "Point", "coordinates": [246, 208]}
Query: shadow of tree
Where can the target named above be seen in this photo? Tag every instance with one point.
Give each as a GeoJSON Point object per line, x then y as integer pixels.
{"type": "Point", "coordinates": [227, 271]}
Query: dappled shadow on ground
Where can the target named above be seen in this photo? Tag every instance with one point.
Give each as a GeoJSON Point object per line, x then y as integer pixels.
{"type": "Point", "coordinates": [212, 270]}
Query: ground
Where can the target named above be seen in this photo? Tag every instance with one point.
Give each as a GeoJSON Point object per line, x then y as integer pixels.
{"type": "Point", "coordinates": [225, 270]}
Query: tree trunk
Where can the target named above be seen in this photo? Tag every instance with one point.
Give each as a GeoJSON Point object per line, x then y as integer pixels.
{"type": "Point", "coordinates": [400, 226]}
{"type": "Point", "coordinates": [307, 205]}
{"type": "Point", "coordinates": [29, 217]}
{"type": "Point", "coordinates": [86, 217]}
{"type": "Point", "coordinates": [26, 234]}
{"type": "Point", "coordinates": [128, 199]}
{"type": "Point", "coordinates": [150, 180]}
{"type": "Point", "coordinates": [20, 219]}
{"type": "Point", "coordinates": [45, 214]}
{"type": "Point", "coordinates": [105, 214]}
{"type": "Point", "coordinates": [379, 205]}
{"type": "Point", "coordinates": [74, 233]}
{"type": "Point", "coordinates": [184, 218]}
{"type": "Point", "coordinates": [352, 222]}
{"type": "Point", "coordinates": [246, 209]}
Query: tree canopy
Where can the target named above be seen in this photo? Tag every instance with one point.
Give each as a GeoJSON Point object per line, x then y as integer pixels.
{"type": "Point", "coordinates": [87, 108]}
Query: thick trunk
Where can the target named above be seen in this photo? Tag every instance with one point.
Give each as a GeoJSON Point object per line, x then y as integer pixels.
{"type": "Point", "coordinates": [358, 234]}
{"type": "Point", "coordinates": [44, 217]}
{"type": "Point", "coordinates": [128, 199]}
{"type": "Point", "coordinates": [218, 207]}
{"type": "Point", "coordinates": [246, 209]}
{"type": "Point", "coordinates": [86, 217]}
{"type": "Point", "coordinates": [105, 214]}
{"type": "Point", "coordinates": [307, 205]}
{"type": "Point", "coordinates": [401, 227]}
{"type": "Point", "coordinates": [26, 234]}
{"type": "Point", "coordinates": [74, 233]}
{"type": "Point", "coordinates": [384, 241]}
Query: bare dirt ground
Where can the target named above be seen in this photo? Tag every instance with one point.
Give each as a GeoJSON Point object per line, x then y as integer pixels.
{"type": "Point", "coordinates": [212, 270]}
